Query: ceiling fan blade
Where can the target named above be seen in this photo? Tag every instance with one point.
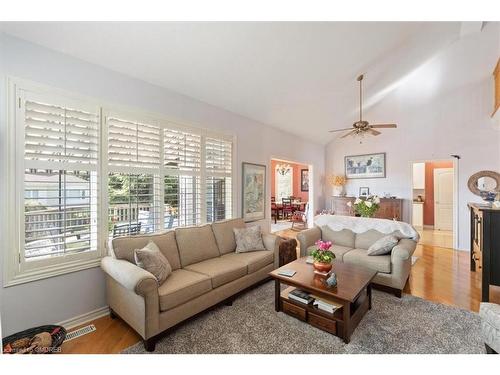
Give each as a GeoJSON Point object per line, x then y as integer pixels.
{"type": "Point", "coordinates": [374, 132]}
{"type": "Point", "coordinates": [348, 134]}
{"type": "Point", "coordinates": [384, 126]}
{"type": "Point", "coordinates": [339, 130]}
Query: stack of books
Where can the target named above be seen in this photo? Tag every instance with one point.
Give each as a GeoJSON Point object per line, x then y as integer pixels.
{"type": "Point", "coordinates": [324, 305]}
{"type": "Point", "coordinates": [300, 296]}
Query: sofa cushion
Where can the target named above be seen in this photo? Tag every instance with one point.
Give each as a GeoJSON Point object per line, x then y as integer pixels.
{"type": "Point", "coordinates": [344, 237]}
{"type": "Point", "coordinates": [248, 239]}
{"type": "Point", "coordinates": [383, 246]}
{"type": "Point", "coordinates": [224, 235]}
{"type": "Point", "coordinates": [182, 286]}
{"type": "Point", "coordinates": [381, 263]}
{"type": "Point", "coordinates": [196, 244]}
{"type": "Point", "coordinates": [255, 260]}
{"type": "Point", "coordinates": [152, 260]}
{"type": "Point", "coordinates": [338, 250]}
{"type": "Point", "coordinates": [366, 239]}
{"type": "Point", "coordinates": [124, 247]}
{"type": "Point", "coordinates": [220, 270]}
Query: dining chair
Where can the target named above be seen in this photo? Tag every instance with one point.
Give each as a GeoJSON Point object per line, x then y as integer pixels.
{"type": "Point", "coordinates": [287, 208]}
{"type": "Point", "coordinates": [300, 217]}
{"type": "Point", "coordinates": [274, 210]}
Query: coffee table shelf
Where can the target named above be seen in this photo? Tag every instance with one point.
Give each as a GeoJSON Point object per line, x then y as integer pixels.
{"type": "Point", "coordinates": [352, 293]}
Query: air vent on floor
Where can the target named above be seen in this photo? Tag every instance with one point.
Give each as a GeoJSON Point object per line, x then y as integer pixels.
{"type": "Point", "coordinates": [80, 332]}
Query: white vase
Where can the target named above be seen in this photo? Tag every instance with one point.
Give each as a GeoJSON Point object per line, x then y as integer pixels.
{"type": "Point", "coordinates": [338, 191]}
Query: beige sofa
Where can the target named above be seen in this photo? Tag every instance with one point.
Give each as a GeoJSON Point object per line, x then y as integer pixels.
{"type": "Point", "coordinates": [349, 247]}
{"type": "Point", "coordinates": [206, 271]}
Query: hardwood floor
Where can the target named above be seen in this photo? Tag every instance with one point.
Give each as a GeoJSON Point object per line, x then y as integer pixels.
{"type": "Point", "coordinates": [111, 336]}
{"type": "Point", "coordinates": [440, 275]}
{"type": "Point", "coordinates": [433, 237]}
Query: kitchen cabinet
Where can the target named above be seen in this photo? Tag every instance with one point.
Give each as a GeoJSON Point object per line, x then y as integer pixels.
{"type": "Point", "coordinates": [419, 176]}
{"type": "Point", "coordinates": [418, 214]}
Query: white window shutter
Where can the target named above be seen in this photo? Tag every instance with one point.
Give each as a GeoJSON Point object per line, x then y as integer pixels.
{"type": "Point", "coordinates": [61, 157]}
{"type": "Point", "coordinates": [60, 134]}
{"type": "Point", "coordinates": [182, 164]}
{"type": "Point", "coordinates": [134, 179]}
{"type": "Point", "coordinates": [133, 144]}
{"type": "Point", "coordinates": [218, 161]}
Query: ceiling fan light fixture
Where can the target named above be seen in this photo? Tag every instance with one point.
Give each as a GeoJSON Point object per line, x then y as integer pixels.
{"type": "Point", "coordinates": [361, 126]}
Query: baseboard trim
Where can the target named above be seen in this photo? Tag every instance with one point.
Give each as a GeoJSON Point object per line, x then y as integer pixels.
{"type": "Point", "coordinates": [84, 318]}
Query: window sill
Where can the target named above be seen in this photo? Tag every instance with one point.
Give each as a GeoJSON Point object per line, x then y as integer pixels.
{"type": "Point", "coordinates": [50, 271]}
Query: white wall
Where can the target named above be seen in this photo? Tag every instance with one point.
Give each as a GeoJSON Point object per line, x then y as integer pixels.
{"type": "Point", "coordinates": [60, 298]}
{"type": "Point", "coordinates": [433, 124]}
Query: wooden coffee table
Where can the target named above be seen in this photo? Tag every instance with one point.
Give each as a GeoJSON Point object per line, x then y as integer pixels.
{"type": "Point", "coordinates": [353, 292]}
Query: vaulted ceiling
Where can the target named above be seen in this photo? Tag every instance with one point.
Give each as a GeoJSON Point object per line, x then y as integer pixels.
{"type": "Point", "coordinates": [296, 76]}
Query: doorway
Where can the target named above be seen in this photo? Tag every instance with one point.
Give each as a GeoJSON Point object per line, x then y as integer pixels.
{"type": "Point", "coordinates": [291, 197]}
{"type": "Point", "coordinates": [434, 201]}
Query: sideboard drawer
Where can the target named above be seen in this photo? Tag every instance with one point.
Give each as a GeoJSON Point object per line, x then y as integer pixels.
{"type": "Point", "coordinates": [320, 322]}
{"type": "Point", "coordinates": [294, 310]}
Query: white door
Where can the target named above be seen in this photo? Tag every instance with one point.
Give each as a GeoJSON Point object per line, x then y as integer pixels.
{"type": "Point", "coordinates": [443, 198]}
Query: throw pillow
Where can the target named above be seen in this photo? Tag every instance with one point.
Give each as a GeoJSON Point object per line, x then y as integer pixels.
{"type": "Point", "coordinates": [248, 239]}
{"type": "Point", "coordinates": [152, 260]}
{"type": "Point", "coordinates": [383, 246]}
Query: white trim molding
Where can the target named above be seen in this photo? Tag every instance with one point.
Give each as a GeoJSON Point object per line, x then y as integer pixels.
{"type": "Point", "coordinates": [84, 318]}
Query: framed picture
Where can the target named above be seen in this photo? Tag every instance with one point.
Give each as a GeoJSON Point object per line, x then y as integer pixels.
{"type": "Point", "coordinates": [365, 166]}
{"type": "Point", "coordinates": [364, 191]}
{"type": "Point", "coordinates": [304, 180]}
{"type": "Point", "coordinates": [253, 191]}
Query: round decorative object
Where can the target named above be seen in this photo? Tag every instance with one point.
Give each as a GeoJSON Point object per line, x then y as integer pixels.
{"type": "Point", "coordinates": [39, 340]}
{"type": "Point", "coordinates": [485, 184]}
{"type": "Point", "coordinates": [322, 267]}
{"type": "Point", "coordinates": [332, 280]}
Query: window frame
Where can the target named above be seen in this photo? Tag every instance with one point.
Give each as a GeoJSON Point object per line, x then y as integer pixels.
{"type": "Point", "coordinates": [15, 272]}
{"type": "Point", "coordinates": [16, 269]}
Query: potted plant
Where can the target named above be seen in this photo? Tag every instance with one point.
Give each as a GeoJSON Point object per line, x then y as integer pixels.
{"type": "Point", "coordinates": [366, 207]}
{"type": "Point", "coordinates": [323, 256]}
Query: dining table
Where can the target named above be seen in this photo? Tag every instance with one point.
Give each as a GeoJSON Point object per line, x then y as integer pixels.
{"type": "Point", "coordinates": [297, 205]}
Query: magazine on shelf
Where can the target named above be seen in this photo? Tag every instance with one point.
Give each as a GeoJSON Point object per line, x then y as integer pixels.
{"type": "Point", "coordinates": [325, 305]}
{"type": "Point", "coordinates": [300, 296]}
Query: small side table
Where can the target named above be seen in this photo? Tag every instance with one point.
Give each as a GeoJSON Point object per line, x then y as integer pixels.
{"type": "Point", "coordinates": [287, 251]}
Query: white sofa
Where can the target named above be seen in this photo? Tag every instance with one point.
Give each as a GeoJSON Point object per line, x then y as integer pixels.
{"type": "Point", "coordinates": [355, 235]}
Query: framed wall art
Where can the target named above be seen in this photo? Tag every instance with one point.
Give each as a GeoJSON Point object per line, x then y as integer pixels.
{"type": "Point", "coordinates": [365, 166]}
{"type": "Point", "coordinates": [253, 191]}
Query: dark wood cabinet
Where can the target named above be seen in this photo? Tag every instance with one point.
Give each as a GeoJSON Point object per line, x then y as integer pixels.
{"type": "Point", "coordinates": [485, 245]}
{"type": "Point", "coordinates": [389, 208]}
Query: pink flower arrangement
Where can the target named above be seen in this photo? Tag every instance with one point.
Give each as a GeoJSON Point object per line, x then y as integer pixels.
{"type": "Point", "coordinates": [323, 245]}
{"type": "Point", "coordinates": [322, 253]}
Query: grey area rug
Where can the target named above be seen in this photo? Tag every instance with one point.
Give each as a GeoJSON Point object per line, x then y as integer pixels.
{"type": "Point", "coordinates": [250, 325]}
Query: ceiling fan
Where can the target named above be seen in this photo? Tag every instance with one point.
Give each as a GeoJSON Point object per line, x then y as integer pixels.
{"type": "Point", "coordinates": [361, 127]}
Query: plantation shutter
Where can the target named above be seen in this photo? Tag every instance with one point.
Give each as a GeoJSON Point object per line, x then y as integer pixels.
{"type": "Point", "coordinates": [61, 153]}
{"type": "Point", "coordinates": [134, 178]}
{"type": "Point", "coordinates": [56, 133]}
{"type": "Point", "coordinates": [218, 162]}
{"type": "Point", "coordinates": [133, 144]}
{"type": "Point", "coordinates": [182, 165]}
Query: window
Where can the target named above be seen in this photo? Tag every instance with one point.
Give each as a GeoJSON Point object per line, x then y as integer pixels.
{"type": "Point", "coordinates": [218, 156]}
{"type": "Point", "coordinates": [182, 166]}
{"type": "Point", "coordinates": [84, 173]}
{"type": "Point", "coordinates": [55, 170]}
{"type": "Point", "coordinates": [284, 183]}
{"type": "Point", "coordinates": [133, 179]}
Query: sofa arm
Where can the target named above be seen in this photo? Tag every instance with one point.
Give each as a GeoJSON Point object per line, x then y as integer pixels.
{"type": "Point", "coordinates": [308, 238]}
{"type": "Point", "coordinates": [129, 275]}
{"type": "Point", "coordinates": [272, 243]}
{"type": "Point", "coordinates": [403, 250]}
